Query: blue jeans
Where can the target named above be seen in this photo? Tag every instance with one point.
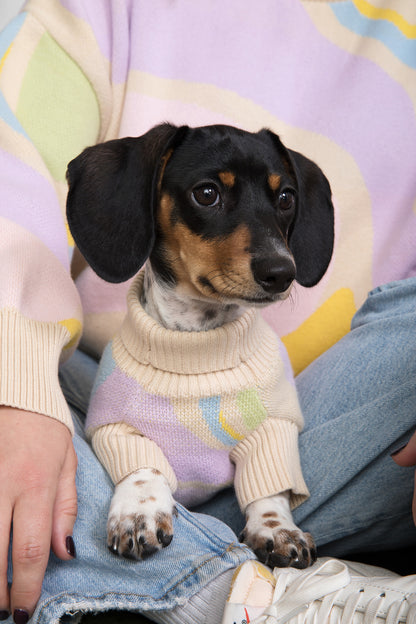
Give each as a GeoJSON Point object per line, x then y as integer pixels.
{"type": "Point", "coordinates": [359, 403]}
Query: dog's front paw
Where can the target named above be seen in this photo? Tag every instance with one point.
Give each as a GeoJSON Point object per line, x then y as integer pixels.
{"type": "Point", "coordinates": [274, 538]}
{"type": "Point", "coordinates": [140, 517]}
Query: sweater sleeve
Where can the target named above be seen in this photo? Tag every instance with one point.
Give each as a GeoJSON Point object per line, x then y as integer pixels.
{"type": "Point", "coordinates": [122, 450]}
{"type": "Point", "coordinates": [267, 461]}
{"type": "Point", "coordinates": [120, 446]}
{"type": "Point", "coordinates": [50, 109]}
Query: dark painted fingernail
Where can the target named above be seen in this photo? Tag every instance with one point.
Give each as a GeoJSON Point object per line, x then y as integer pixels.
{"type": "Point", "coordinates": [70, 547]}
{"type": "Point", "coordinates": [20, 616]}
{"type": "Point", "coordinates": [4, 615]}
{"type": "Point", "coordinates": [396, 451]}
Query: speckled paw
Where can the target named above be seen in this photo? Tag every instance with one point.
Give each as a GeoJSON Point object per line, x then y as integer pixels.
{"type": "Point", "coordinates": [140, 518]}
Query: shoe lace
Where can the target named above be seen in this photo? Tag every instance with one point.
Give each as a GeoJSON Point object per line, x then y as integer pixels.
{"type": "Point", "coordinates": [309, 597]}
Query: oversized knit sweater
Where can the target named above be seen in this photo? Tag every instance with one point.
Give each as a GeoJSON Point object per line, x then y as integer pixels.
{"type": "Point", "coordinates": [336, 80]}
{"type": "Point", "coordinates": [196, 403]}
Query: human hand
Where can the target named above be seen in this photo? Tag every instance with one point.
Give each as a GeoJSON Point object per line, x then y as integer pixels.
{"type": "Point", "coordinates": [38, 495]}
{"type": "Point", "coordinates": [407, 457]}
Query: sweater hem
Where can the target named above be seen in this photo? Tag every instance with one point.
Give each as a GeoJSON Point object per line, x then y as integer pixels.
{"type": "Point", "coordinates": [29, 359]}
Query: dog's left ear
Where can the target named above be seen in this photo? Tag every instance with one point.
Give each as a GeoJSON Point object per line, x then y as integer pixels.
{"type": "Point", "coordinates": [112, 197]}
{"type": "Point", "coordinates": [311, 240]}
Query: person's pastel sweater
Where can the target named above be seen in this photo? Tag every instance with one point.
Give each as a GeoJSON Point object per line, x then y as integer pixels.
{"type": "Point", "coordinates": [192, 404]}
{"type": "Point", "coordinates": [336, 80]}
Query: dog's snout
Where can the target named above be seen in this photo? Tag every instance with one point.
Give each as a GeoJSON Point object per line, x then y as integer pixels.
{"type": "Point", "coordinates": [273, 276]}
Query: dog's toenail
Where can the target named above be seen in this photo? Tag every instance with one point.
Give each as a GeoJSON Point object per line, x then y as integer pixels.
{"type": "Point", "coordinates": [163, 538]}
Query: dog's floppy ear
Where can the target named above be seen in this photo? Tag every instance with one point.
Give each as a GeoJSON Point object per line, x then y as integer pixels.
{"type": "Point", "coordinates": [311, 240]}
{"type": "Point", "coordinates": [111, 200]}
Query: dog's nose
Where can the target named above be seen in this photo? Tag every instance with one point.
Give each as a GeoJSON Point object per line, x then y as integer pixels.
{"type": "Point", "coordinates": [273, 276]}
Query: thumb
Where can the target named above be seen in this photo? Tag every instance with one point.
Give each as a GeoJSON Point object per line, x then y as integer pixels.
{"type": "Point", "coordinates": [406, 456]}
{"type": "Point", "coordinates": [65, 508]}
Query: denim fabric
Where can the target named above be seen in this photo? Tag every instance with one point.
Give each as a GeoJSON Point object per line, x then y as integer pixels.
{"type": "Point", "coordinates": [96, 580]}
{"type": "Point", "coordinates": [359, 403]}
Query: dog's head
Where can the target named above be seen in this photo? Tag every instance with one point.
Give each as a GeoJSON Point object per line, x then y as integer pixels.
{"type": "Point", "coordinates": [221, 213]}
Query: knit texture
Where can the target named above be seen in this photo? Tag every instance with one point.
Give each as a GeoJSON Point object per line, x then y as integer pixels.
{"type": "Point", "coordinates": [336, 80]}
{"type": "Point", "coordinates": [198, 403]}
{"type": "Point", "coordinates": [29, 351]}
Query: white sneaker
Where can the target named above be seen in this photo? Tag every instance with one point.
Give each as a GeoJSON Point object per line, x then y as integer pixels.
{"type": "Point", "coordinates": [329, 592]}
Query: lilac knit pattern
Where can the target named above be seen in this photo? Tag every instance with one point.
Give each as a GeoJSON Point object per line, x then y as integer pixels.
{"type": "Point", "coordinates": [195, 434]}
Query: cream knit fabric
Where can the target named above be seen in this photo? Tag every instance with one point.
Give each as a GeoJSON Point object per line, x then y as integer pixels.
{"type": "Point", "coordinates": [205, 408]}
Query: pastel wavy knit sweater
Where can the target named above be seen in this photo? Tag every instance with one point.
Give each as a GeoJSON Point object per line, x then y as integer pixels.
{"type": "Point", "coordinates": [193, 404]}
{"type": "Point", "coordinates": [335, 79]}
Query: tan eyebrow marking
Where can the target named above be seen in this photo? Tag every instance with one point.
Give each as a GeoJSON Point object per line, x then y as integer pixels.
{"type": "Point", "coordinates": [274, 181]}
{"type": "Point", "coordinates": [227, 178]}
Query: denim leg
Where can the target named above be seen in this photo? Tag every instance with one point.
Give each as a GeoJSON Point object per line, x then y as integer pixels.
{"type": "Point", "coordinates": [202, 547]}
{"type": "Point", "coordinates": [359, 404]}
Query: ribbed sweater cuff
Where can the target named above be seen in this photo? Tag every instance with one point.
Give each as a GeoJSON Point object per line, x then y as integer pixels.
{"type": "Point", "coordinates": [29, 359]}
{"type": "Point", "coordinates": [122, 450]}
{"type": "Point", "coordinates": [267, 462]}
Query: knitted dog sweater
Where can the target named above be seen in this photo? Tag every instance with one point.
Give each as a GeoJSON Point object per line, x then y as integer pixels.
{"type": "Point", "coordinates": [204, 408]}
{"type": "Point", "coordinates": [336, 80]}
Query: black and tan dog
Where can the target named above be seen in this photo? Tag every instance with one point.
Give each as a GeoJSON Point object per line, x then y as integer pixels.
{"type": "Point", "coordinates": [226, 220]}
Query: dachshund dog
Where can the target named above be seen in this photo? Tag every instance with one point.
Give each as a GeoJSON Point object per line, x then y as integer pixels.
{"type": "Point", "coordinates": [222, 220]}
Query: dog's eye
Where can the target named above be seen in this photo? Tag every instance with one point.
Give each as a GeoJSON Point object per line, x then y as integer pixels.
{"type": "Point", "coordinates": [287, 200]}
{"type": "Point", "coordinates": [206, 195]}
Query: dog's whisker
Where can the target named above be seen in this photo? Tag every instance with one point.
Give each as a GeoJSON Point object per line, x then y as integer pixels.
{"type": "Point", "coordinates": [215, 273]}
{"type": "Point", "coordinates": [293, 296]}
